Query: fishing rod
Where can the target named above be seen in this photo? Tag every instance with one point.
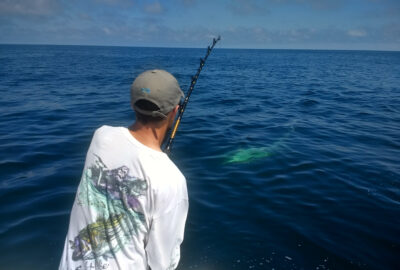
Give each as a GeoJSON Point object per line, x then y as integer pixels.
{"type": "Point", "coordinates": [182, 106]}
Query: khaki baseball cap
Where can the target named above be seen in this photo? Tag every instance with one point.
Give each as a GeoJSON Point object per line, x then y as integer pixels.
{"type": "Point", "coordinates": [158, 87]}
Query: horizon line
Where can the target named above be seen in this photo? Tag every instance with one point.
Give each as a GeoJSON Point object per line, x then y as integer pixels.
{"type": "Point", "coordinates": [227, 48]}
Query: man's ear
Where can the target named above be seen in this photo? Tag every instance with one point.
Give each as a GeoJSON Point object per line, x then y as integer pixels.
{"type": "Point", "coordinates": [175, 110]}
{"type": "Point", "coordinates": [173, 113]}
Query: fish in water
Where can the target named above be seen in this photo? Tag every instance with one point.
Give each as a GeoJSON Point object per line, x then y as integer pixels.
{"type": "Point", "coordinates": [248, 155]}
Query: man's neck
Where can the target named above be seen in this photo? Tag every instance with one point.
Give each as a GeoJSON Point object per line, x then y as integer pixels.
{"type": "Point", "coordinates": [149, 135]}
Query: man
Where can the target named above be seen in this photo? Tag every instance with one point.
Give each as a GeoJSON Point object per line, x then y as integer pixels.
{"type": "Point", "coordinates": [131, 205]}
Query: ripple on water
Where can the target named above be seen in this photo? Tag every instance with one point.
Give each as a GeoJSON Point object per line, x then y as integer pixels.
{"type": "Point", "coordinates": [327, 197]}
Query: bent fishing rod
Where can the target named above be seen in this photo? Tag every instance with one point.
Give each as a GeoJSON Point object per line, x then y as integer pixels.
{"type": "Point", "coordinates": [182, 106]}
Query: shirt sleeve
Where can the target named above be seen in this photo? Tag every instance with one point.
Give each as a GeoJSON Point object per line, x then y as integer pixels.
{"type": "Point", "coordinates": [165, 238]}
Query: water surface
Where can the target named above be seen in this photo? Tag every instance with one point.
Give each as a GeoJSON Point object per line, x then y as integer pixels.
{"type": "Point", "coordinates": [326, 196]}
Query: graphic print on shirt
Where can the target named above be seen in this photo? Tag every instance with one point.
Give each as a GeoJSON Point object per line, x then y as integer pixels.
{"type": "Point", "coordinates": [97, 239]}
{"type": "Point", "coordinates": [112, 196]}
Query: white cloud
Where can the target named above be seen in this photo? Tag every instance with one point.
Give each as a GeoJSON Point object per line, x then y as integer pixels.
{"type": "Point", "coordinates": [109, 23]}
{"type": "Point", "coordinates": [357, 33]}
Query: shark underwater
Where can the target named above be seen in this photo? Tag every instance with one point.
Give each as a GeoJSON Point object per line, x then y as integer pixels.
{"type": "Point", "coordinates": [250, 154]}
{"type": "Point", "coordinates": [247, 155]}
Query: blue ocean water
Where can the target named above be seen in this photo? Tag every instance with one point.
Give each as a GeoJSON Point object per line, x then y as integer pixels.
{"type": "Point", "coordinates": [323, 192]}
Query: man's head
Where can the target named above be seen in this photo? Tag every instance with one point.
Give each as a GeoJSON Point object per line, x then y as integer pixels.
{"type": "Point", "coordinates": [154, 94]}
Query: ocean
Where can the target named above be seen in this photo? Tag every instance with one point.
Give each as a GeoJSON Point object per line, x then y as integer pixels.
{"type": "Point", "coordinates": [292, 157]}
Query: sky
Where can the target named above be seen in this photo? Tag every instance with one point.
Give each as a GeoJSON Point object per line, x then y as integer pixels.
{"type": "Point", "coordinates": [265, 24]}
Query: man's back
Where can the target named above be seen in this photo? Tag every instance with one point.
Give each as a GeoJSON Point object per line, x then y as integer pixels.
{"type": "Point", "coordinates": [130, 208]}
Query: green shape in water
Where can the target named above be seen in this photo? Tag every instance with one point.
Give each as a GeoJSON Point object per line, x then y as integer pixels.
{"type": "Point", "coordinates": [248, 155]}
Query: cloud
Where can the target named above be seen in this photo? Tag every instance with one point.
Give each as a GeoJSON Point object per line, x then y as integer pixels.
{"type": "Point", "coordinates": [380, 37]}
{"type": "Point", "coordinates": [154, 8]}
{"type": "Point", "coordinates": [28, 7]}
{"type": "Point", "coordinates": [111, 22]}
{"type": "Point", "coordinates": [262, 7]}
{"type": "Point", "coordinates": [356, 33]}
{"type": "Point", "coordinates": [188, 3]}
{"type": "Point", "coordinates": [107, 30]}
{"type": "Point", "coordinates": [247, 7]}
{"type": "Point", "coordinates": [116, 2]}
{"type": "Point", "coordinates": [318, 4]}
{"type": "Point", "coordinates": [157, 34]}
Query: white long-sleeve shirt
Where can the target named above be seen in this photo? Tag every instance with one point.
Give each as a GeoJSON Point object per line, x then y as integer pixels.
{"type": "Point", "coordinates": [130, 208]}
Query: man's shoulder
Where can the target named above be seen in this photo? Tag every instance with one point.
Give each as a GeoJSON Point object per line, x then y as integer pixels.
{"type": "Point", "coordinates": [107, 135]}
{"type": "Point", "coordinates": [106, 131]}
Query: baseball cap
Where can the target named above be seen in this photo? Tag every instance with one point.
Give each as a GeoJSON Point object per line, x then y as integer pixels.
{"type": "Point", "coordinates": [158, 87]}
